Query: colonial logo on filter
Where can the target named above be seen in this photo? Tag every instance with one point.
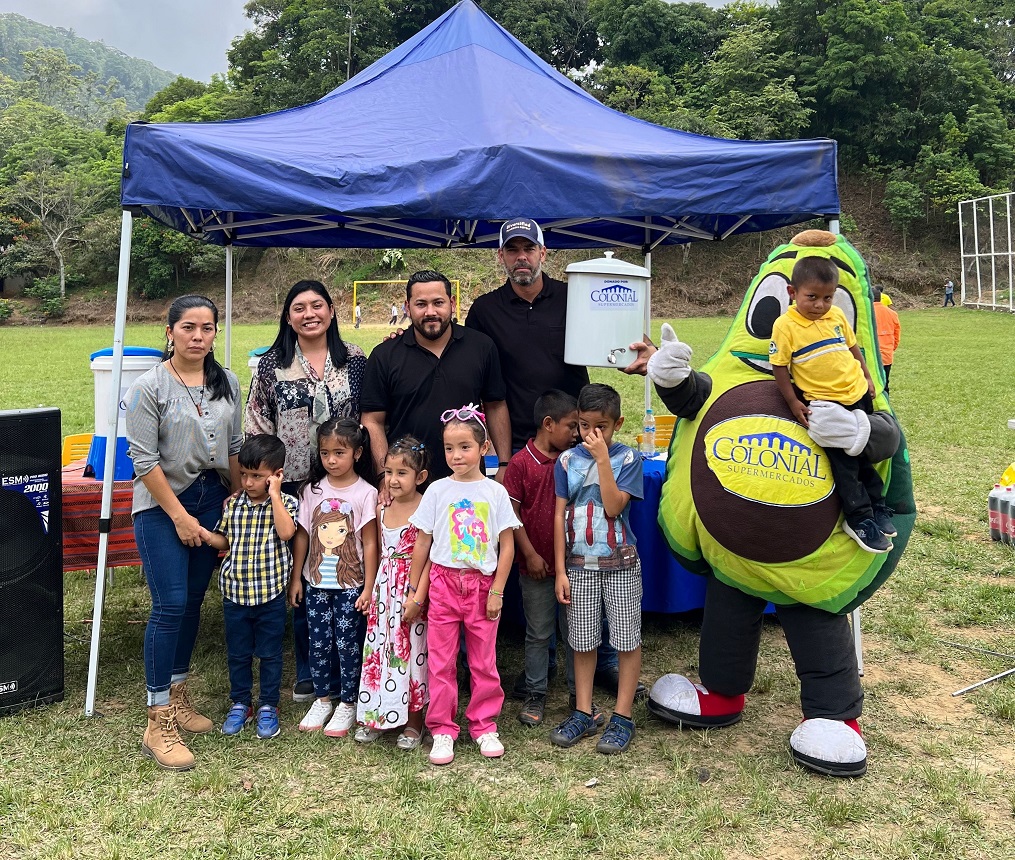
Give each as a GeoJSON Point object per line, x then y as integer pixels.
{"type": "Point", "coordinates": [614, 294]}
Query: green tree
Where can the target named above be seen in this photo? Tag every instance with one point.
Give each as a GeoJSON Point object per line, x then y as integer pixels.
{"type": "Point", "coordinates": [299, 50]}
{"type": "Point", "coordinates": [219, 101]}
{"type": "Point", "coordinates": [60, 200]}
{"type": "Point", "coordinates": [160, 257]}
{"type": "Point", "coordinates": [747, 87]}
{"type": "Point", "coordinates": [905, 204]}
{"type": "Point", "coordinates": [667, 37]}
{"type": "Point", "coordinates": [179, 90]}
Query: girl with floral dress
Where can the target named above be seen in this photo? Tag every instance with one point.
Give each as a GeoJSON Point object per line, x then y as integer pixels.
{"type": "Point", "coordinates": [393, 686]}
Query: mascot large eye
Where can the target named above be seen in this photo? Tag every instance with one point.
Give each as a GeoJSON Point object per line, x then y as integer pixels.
{"type": "Point", "coordinates": [844, 302]}
{"type": "Point", "coordinates": [769, 302]}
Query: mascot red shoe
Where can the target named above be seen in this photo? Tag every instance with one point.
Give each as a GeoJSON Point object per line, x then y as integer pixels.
{"type": "Point", "coordinates": [749, 502]}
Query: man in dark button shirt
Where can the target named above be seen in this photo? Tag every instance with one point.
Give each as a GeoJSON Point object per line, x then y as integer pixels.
{"type": "Point", "coordinates": [436, 365]}
{"type": "Point", "coordinates": [525, 319]}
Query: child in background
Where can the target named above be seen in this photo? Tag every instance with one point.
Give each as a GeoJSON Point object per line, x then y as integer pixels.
{"type": "Point", "coordinates": [393, 686]}
{"type": "Point", "coordinates": [254, 530]}
{"type": "Point", "coordinates": [529, 484]}
{"type": "Point", "coordinates": [597, 564]}
{"type": "Point", "coordinates": [462, 520]}
{"type": "Point", "coordinates": [336, 550]}
{"type": "Point", "coordinates": [813, 342]}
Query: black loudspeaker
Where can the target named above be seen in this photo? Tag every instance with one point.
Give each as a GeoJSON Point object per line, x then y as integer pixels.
{"type": "Point", "coordinates": [31, 559]}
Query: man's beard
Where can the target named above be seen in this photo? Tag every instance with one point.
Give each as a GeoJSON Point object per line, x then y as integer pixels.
{"type": "Point", "coordinates": [526, 278]}
{"type": "Point", "coordinates": [444, 324]}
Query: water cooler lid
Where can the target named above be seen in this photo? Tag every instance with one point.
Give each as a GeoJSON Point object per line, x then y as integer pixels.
{"type": "Point", "coordinates": [127, 351]}
{"type": "Point", "coordinates": [608, 265]}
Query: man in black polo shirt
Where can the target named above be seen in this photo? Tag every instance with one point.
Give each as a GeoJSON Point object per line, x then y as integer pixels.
{"type": "Point", "coordinates": [525, 319]}
{"type": "Point", "coordinates": [434, 366]}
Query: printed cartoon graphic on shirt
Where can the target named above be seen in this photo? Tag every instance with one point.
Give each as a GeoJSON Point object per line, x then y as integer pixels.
{"type": "Point", "coordinates": [334, 561]}
{"type": "Point", "coordinates": [470, 536]}
{"type": "Point", "coordinates": [590, 532]}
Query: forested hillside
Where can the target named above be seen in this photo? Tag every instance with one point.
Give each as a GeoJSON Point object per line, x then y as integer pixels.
{"type": "Point", "coordinates": [920, 95]}
{"type": "Point", "coordinates": [136, 80]}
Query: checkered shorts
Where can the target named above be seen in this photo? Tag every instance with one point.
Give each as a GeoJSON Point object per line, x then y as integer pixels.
{"type": "Point", "coordinates": [620, 592]}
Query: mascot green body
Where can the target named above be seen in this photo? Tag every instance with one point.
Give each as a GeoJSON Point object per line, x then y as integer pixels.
{"type": "Point", "coordinates": [749, 501]}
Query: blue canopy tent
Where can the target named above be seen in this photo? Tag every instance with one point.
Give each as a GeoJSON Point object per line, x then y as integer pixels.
{"type": "Point", "coordinates": [434, 145]}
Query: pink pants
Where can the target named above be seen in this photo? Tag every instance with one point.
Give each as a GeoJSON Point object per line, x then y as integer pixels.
{"type": "Point", "coordinates": [457, 599]}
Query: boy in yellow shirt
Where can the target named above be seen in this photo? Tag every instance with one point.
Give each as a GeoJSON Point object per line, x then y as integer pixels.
{"type": "Point", "coordinates": [815, 344]}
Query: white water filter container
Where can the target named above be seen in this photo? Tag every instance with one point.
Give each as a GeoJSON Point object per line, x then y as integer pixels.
{"type": "Point", "coordinates": [606, 301]}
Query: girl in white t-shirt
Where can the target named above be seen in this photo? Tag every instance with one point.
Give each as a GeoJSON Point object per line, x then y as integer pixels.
{"type": "Point", "coordinates": [465, 527]}
{"type": "Point", "coordinates": [336, 554]}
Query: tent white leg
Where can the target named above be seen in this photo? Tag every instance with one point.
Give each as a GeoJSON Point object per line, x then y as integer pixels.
{"type": "Point", "coordinates": [227, 361]}
{"type": "Point", "coordinates": [105, 513]}
{"type": "Point", "coordinates": [833, 225]}
{"type": "Point", "coordinates": [857, 639]}
{"type": "Point", "coordinates": [648, 323]}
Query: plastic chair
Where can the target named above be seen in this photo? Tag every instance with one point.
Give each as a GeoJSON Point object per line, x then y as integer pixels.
{"type": "Point", "coordinates": [76, 446]}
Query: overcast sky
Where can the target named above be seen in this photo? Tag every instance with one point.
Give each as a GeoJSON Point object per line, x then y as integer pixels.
{"type": "Point", "coordinates": [189, 37]}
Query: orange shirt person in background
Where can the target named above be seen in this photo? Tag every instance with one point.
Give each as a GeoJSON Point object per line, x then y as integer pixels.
{"type": "Point", "coordinates": [889, 333]}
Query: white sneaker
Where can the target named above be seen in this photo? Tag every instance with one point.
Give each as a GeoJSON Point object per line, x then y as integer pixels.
{"type": "Point", "coordinates": [443, 750]}
{"type": "Point", "coordinates": [317, 716]}
{"type": "Point", "coordinates": [490, 745]}
{"type": "Point", "coordinates": [367, 735]}
{"type": "Point", "coordinates": [342, 721]}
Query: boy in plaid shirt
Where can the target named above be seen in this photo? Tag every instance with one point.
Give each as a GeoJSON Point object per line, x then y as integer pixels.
{"type": "Point", "coordinates": [254, 529]}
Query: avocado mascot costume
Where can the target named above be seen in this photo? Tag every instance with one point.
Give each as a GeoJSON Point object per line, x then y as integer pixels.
{"type": "Point", "coordinates": [749, 501]}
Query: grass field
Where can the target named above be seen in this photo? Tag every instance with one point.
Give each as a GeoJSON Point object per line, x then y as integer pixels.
{"type": "Point", "coordinates": [942, 769]}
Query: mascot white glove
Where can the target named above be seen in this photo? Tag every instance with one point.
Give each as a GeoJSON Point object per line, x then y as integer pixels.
{"type": "Point", "coordinates": [671, 363]}
{"type": "Point", "coordinates": [832, 425]}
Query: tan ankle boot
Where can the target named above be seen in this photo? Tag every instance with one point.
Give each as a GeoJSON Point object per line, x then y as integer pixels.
{"type": "Point", "coordinates": [162, 740]}
{"type": "Point", "coordinates": [186, 716]}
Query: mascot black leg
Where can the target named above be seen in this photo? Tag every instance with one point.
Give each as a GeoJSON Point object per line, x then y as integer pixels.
{"type": "Point", "coordinates": [728, 656]}
{"type": "Point", "coordinates": [730, 636]}
{"type": "Point", "coordinates": [828, 740]}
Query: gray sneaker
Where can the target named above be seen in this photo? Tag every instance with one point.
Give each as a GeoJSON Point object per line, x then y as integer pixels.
{"type": "Point", "coordinates": [532, 711]}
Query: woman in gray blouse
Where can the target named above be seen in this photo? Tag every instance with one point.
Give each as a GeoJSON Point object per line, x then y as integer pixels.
{"type": "Point", "coordinates": [183, 430]}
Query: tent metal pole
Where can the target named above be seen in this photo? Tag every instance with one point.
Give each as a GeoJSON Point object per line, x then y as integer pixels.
{"type": "Point", "coordinates": [648, 324]}
{"type": "Point", "coordinates": [109, 467]}
{"type": "Point", "coordinates": [229, 307]}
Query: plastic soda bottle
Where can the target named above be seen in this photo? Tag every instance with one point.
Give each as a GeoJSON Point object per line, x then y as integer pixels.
{"type": "Point", "coordinates": [1005, 519]}
{"type": "Point", "coordinates": [648, 433]}
{"type": "Point", "coordinates": [994, 511]}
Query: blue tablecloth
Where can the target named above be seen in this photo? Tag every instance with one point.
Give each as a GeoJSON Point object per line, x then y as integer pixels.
{"type": "Point", "coordinates": [668, 586]}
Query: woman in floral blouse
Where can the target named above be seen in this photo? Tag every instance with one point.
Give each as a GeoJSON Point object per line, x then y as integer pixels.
{"type": "Point", "coordinates": [307, 376]}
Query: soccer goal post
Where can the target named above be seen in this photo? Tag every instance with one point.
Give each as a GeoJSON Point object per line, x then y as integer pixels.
{"type": "Point", "coordinates": [456, 285]}
{"type": "Point", "coordinates": [988, 256]}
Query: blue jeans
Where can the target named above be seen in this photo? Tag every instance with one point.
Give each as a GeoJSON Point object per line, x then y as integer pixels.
{"type": "Point", "coordinates": [178, 577]}
{"type": "Point", "coordinates": [254, 631]}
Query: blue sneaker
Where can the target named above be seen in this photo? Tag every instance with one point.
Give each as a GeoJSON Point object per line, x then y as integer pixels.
{"type": "Point", "coordinates": [267, 722]}
{"type": "Point", "coordinates": [237, 719]}
{"type": "Point", "coordinates": [577, 726]}
{"type": "Point", "coordinates": [883, 519]}
{"type": "Point", "coordinates": [867, 534]}
{"type": "Point", "coordinates": [617, 736]}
